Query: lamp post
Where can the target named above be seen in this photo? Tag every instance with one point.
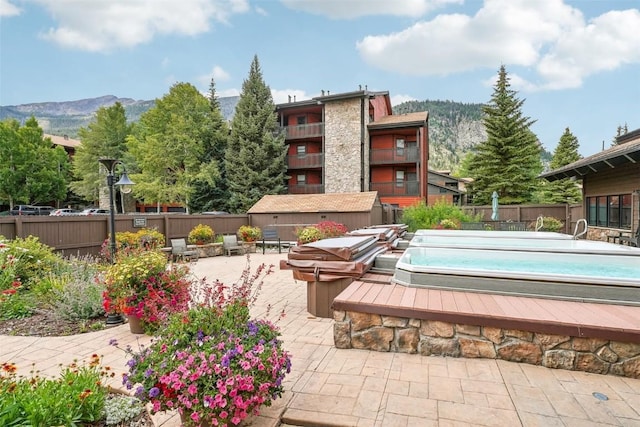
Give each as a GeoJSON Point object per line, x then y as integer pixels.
{"type": "Point", "coordinates": [125, 186]}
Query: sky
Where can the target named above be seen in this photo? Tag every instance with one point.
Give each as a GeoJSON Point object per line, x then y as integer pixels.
{"type": "Point", "coordinates": [575, 64]}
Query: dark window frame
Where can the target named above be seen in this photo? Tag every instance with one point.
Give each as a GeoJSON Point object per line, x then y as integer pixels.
{"type": "Point", "coordinates": [610, 211]}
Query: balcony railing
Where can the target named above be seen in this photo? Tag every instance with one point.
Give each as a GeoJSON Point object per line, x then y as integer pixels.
{"type": "Point", "coordinates": [305, 161]}
{"type": "Point", "coordinates": [395, 155]}
{"type": "Point", "coordinates": [310, 130]}
{"type": "Point", "coordinates": [396, 188]}
{"type": "Point", "coordinates": [306, 189]}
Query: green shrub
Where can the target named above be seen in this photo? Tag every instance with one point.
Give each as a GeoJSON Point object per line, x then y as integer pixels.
{"type": "Point", "coordinates": [550, 223]}
{"type": "Point", "coordinates": [33, 259]}
{"type": "Point", "coordinates": [79, 300]}
{"type": "Point", "coordinates": [77, 397]}
{"type": "Point", "coordinates": [308, 234]}
{"type": "Point", "coordinates": [421, 216]}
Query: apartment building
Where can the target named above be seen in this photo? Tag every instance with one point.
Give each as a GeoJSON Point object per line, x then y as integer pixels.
{"type": "Point", "coordinates": [352, 142]}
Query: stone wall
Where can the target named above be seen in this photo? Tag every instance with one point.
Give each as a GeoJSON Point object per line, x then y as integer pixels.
{"type": "Point", "coordinates": [428, 337]}
{"type": "Point", "coordinates": [344, 164]}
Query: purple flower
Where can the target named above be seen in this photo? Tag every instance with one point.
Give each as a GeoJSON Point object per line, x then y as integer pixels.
{"type": "Point", "coordinates": [148, 373]}
{"type": "Point", "coordinates": [154, 392]}
{"type": "Point", "coordinates": [139, 392]}
{"type": "Point", "coordinates": [131, 363]}
{"type": "Point", "coordinates": [113, 342]}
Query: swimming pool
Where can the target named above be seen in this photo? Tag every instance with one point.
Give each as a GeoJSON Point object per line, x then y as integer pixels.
{"type": "Point", "coordinates": [523, 244]}
{"type": "Point", "coordinates": [571, 276]}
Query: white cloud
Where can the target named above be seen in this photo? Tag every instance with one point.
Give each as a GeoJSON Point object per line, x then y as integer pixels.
{"type": "Point", "coordinates": [218, 74]}
{"type": "Point", "coordinates": [228, 92]}
{"type": "Point", "coordinates": [261, 11]}
{"type": "Point", "coordinates": [547, 36]}
{"type": "Point", "coordinates": [282, 96]}
{"type": "Point", "coordinates": [103, 25]}
{"type": "Point", "coordinates": [399, 99]}
{"type": "Point", "coordinates": [8, 9]}
{"type": "Point", "coordinates": [165, 62]}
{"type": "Point", "coordinates": [348, 9]}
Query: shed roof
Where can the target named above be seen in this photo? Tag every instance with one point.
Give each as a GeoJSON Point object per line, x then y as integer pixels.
{"type": "Point", "coordinates": [627, 150]}
{"type": "Point", "coordinates": [65, 141]}
{"type": "Point", "coordinates": [332, 202]}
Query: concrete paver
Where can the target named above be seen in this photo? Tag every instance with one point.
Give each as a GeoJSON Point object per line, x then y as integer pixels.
{"type": "Point", "coordinates": [336, 387]}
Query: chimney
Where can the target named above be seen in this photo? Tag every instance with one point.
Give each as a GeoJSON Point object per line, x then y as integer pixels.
{"type": "Point", "coordinates": [359, 87]}
{"type": "Point", "coordinates": [294, 98]}
{"type": "Point", "coordinates": [328, 93]}
{"type": "Point", "coordinates": [289, 98]}
{"type": "Point", "coordinates": [322, 91]}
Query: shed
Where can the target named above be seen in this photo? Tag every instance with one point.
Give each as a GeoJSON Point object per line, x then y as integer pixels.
{"type": "Point", "coordinates": [288, 212]}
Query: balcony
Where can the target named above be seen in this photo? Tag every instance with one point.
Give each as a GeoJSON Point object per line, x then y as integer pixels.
{"type": "Point", "coordinates": [394, 155]}
{"type": "Point", "coordinates": [305, 161]}
{"type": "Point", "coordinates": [306, 189]}
{"type": "Point", "coordinates": [396, 188]}
{"type": "Point", "coordinates": [312, 130]}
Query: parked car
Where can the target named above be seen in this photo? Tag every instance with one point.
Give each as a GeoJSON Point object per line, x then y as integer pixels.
{"type": "Point", "coordinates": [31, 210]}
{"type": "Point", "coordinates": [95, 211]}
{"type": "Point", "coordinates": [64, 212]}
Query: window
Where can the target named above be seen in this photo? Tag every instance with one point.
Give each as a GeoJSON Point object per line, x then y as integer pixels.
{"type": "Point", "coordinates": [301, 179]}
{"type": "Point", "coordinates": [400, 146]}
{"type": "Point", "coordinates": [399, 178]}
{"type": "Point", "coordinates": [609, 211]}
{"type": "Point", "coordinates": [301, 150]}
{"type": "Point", "coordinates": [302, 120]}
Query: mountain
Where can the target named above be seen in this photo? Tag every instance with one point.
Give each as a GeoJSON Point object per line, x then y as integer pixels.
{"type": "Point", "coordinates": [66, 118]}
{"type": "Point", "coordinates": [454, 129]}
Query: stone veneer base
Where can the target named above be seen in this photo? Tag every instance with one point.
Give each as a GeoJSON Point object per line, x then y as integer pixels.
{"type": "Point", "coordinates": [435, 338]}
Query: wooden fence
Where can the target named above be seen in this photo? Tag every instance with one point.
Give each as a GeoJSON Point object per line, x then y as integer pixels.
{"type": "Point", "coordinates": [82, 235]}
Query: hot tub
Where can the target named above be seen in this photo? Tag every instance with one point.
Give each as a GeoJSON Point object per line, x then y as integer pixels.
{"type": "Point", "coordinates": [572, 276]}
{"type": "Point", "coordinates": [524, 244]}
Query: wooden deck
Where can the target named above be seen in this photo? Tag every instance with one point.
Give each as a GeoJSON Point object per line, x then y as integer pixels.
{"type": "Point", "coordinates": [374, 293]}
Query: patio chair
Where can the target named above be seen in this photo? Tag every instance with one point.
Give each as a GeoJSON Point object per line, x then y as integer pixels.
{"type": "Point", "coordinates": [179, 251]}
{"type": "Point", "coordinates": [230, 244]}
{"type": "Point", "coordinates": [632, 240]}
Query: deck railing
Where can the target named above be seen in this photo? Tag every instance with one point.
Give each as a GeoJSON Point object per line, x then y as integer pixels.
{"type": "Point", "coordinates": [311, 130]}
{"type": "Point", "coordinates": [396, 188]}
{"type": "Point", "coordinates": [395, 155]}
{"type": "Point", "coordinates": [305, 161]}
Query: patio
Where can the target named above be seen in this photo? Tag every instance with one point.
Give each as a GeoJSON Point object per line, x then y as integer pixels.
{"type": "Point", "coordinates": [335, 387]}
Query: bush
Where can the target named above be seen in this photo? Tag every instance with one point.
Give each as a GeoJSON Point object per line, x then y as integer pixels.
{"type": "Point", "coordinates": [308, 234]}
{"type": "Point", "coordinates": [550, 223]}
{"type": "Point", "coordinates": [128, 243]}
{"type": "Point", "coordinates": [31, 259]}
{"type": "Point", "coordinates": [421, 216]}
{"type": "Point", "coordinates": [200, 234]}
{"type": "Point", "coordinates": [77, 397]}
{"type": "Point", "coordinates": [248, 233]}
{"type": "Point", "coordinates": [319, 231]}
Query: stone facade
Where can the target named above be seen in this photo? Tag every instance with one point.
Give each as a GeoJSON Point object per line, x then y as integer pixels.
{"type": "Point", "coordinates": [436, 338]}
{"type": "Point", "coordinates": [344, 132]}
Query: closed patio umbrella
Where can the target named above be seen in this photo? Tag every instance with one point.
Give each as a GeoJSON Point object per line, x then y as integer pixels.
{"type": "Point", "coordinates": [494, 206]}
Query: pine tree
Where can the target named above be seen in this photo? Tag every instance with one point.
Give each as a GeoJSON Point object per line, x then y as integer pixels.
{"type": "Point", "coordinates": [508, 162]}
{"type": "Point", "coordinates": [255, 157]}
{"type": "Point", "coordinates": [210, 191]}
{"type": "Point", "coordinates": [564, 190]}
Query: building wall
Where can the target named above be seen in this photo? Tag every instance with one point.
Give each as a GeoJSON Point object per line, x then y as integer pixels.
{"type": "Point", "coordinates": [345, 167]}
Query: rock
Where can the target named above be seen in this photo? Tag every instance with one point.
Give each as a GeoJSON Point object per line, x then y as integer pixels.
{"type": "Point", "coordinates": [559, 359]}
{"type": "Point", "coordinates": [549, 341]}
{"type": "Point", "coordinates": [589, 362]}
{"type": "Point", "coordinates": [342, 335]}
{"type": "Point", "coordinates": [433, 346]}
{"type": "Point", "coordinates": [587, 344]}
{"type": "Point", "coordinates": [521, 335]}
{"type": "Point", "coordinates": [624, 349]}
{"type": "Point", "coordinates": [606, 354]}
{"type": "Point", "coordinates": [377, 338]}
{"type": "Point", "coordinates": [394, 322]}
{"type": "Point", "coordinates": [468, 330]}
{"type": "Point", "coordinates": [339, 315]}
{"type": "Point", "coordinates": [521, 351]}
{"type": "Point", "coordinates": [472, 347]}
{"type": "Point", "coordinates": [495, 335]}
{"type": "Point", "coordinates": [435, 328]}
{"type": "Point", "coordinates": [361, 321]}
{"type": "Point", "coordinates": [407, 340]}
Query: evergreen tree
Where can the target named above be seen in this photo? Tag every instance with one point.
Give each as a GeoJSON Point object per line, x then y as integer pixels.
{"type": "Point", "coordinates": [508, 162]}
{"type": "Point", "coordinates": [210, 190]}
{"type": "Point", "coordinates": [104, 137]}
{"type": "Point", "coordinates": [564, 190]}
{"type": "Point", "coordinates": [255, 157]}
{"type": "Point", "coordinates": [168, 145]}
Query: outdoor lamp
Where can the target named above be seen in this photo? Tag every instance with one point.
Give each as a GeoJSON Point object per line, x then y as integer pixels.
{"type": "Point", "coordinates": [125, 187]}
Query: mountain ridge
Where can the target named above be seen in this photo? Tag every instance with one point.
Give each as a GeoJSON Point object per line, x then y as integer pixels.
{"type": "Point", "coordinates": [454, 127]}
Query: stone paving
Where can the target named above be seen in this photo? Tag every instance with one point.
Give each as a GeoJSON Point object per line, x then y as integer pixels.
{"type": "Point", "coordinates": [334, 387]}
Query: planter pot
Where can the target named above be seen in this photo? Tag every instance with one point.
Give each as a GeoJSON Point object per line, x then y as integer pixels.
{"type": "Point", "coordinates": [209, 250]}
{"type": "Point", "coordinates": [114, 319]}
{"type": "Point", "coordinates": [249, 247]}
{"type": "Point", "coordinates": [135, 325]}
{"type": "Point", "coordinates": [185, 420]}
